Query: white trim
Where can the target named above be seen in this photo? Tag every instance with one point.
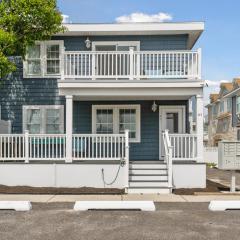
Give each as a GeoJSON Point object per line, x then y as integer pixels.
{"type": "Point", "coordinates": [178, 108]}
{"type": "Point", "coordinates": [116, 109]}
{"type": "Point", "coordinates": [43, 59]}
{"type": "Point", "coordinates": [42, 109]}
{"type": "Point", "coordinates": [116, 43]}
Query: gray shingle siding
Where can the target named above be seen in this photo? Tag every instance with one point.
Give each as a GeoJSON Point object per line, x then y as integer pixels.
{"type": "Point", "coordinates": [16, 92]}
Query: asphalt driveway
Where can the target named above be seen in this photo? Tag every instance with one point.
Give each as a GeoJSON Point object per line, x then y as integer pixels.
{"type": "Point", "coordinates": [170, 221]}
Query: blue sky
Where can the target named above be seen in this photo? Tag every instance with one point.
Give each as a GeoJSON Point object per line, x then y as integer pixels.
{"type": "Point", "coordinates": [220, 42]}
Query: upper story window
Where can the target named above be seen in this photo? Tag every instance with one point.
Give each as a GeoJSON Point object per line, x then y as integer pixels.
{"type": "Point", "coordinates": [238, 104]}
{"type": "Point", "coordinates": [44, 59]}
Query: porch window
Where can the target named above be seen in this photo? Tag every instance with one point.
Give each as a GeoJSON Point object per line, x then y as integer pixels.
{"type": "Point", "coordinates": [44, 59]}
{"type": "Point", "coordinates": [116, 119]}
{"type": "Point", "coordinates": [104, 121]}
{"type": "Point", "coordinates": [43, 119]}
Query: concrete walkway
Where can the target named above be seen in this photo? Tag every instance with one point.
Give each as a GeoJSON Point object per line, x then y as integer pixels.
{"type": "Point", "coordinates": [129, 197]}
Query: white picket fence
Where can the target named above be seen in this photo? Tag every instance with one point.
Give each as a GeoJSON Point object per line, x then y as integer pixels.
{"type": "Point", "coordinates": [132, 64]}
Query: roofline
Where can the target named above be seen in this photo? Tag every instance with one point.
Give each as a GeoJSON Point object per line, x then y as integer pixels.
{"type": "Point", "coordinates": [193, 29]}
{"type": "Point", "coordinates": [230, 94]}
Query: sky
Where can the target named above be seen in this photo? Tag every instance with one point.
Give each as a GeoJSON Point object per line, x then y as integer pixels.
{"type": "Point", "coordinates": [220, 41]}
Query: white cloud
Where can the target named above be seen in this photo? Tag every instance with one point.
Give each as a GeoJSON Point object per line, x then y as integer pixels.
{"type": "Point", "coordinates": [65, 19]}
{"type": "Point", "coordinates": [142, 17]}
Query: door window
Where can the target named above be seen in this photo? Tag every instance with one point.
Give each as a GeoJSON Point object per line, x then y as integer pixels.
{"type": "Point", "coordinates": [172, 122]}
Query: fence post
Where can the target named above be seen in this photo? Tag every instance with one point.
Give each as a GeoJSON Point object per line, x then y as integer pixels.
{"type": "Point", "coordinates": [199, 64]}
{"type": "Point", "coordinates": [131, 64]}
{"type": "Point", "coordinates": [69, 125]}
{"type": "Point", "coordinates": [26, 140]}
{"type": "Point", "coordinates": [94, 55]}
{"type": "Point", "coordinates": [170, 167]}
{"type": "Point", "coordinates": [126, 159]}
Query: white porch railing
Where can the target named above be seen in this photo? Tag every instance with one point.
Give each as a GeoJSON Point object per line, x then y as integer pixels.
{"type": "Point", "coordinates": [29, 147]}
{"type": "Point", "coordinates": [132, 64]}
{"type": "Point", "coordinates": [184, 146]}
{"type": "Point", "coordinates": [98, 146]}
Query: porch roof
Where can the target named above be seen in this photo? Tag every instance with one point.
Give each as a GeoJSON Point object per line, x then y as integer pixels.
{"type": "Point", "coordinates": [131, 90]}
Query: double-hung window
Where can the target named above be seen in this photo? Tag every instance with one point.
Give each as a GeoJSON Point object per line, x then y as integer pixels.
{"type": "Point", "coordinates": [238, 104]}
{"type": "Point", "coordinates": [43, 119]}
{"type": "Point", "coordinates": [107, 119]}
{"type": "Point", "coordinates": [44, 59]}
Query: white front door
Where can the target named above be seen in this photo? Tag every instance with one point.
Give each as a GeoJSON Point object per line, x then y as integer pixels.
{"type": "Point", "coordinates": [173, 119]}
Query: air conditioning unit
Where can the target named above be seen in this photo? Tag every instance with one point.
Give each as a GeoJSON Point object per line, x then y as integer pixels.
{"type": "Point", "coordinates": [5, 127]}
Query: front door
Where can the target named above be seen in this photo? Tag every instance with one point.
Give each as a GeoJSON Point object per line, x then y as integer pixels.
{"type": "Point", "coordinates": [173, 119]}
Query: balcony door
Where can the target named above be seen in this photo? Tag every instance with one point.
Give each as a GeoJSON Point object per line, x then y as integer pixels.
{"type": "Point", "coordinates": [113, 59]}
{"type": "Point", "coordinates": [173, 119]}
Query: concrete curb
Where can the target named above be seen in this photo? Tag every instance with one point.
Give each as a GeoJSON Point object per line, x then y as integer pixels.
{"type": "Point", "coordinates": [129, 197]}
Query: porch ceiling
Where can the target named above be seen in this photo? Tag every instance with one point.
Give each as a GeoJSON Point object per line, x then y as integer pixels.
{"type": "Point", "coordinates": [131, 90]}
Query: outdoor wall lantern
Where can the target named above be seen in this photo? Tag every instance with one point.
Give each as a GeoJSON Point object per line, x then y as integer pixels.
{"type": "Point", "coordinates": [88, 43]}
{"type": "Point", "coordinates": [154, 107]}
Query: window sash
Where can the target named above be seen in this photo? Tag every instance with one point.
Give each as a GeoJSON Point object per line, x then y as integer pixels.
{"type": "Point", "coordinates": [134, 131]}
{"type": "Point", "coordinates": [44, 124]}
{"type": "Point", "coordinates": [45, 61]}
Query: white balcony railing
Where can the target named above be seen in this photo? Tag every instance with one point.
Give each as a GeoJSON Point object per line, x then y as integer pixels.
{"type": "Point", "coordinates": [132, 64]}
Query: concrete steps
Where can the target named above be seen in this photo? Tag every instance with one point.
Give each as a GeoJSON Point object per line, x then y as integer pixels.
{"type": "Point", "coordinates": [148, 177]}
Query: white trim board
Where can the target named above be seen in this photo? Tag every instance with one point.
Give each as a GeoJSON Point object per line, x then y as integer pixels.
{"type": "Point", "coordinates": [116, 43]}
{"type": "Point", "coordinates": [114, 205]}
{"type": "Point", "coordinates": [116, 109]}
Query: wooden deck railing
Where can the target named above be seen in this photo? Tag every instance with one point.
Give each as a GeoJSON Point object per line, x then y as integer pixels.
{"type": "Point", "coordinates": [132, 64]}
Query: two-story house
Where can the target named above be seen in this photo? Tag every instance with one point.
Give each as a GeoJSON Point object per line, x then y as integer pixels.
{"type": "Point", "coordinates": [91, 108]}
{"type": "Point", "coordinates": [223, 113]}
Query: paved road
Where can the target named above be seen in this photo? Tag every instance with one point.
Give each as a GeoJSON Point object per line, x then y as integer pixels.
{"type": "Point", "coordinates": [181, 221]}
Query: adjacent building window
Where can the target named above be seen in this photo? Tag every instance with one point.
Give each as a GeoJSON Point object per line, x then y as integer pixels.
{"type": "Point", "coordinates": [109, 119]}
{"type": "Point", "coordinates": [229, 104]}
{"type": "Point", "coordinates": [238, 104]}
{"type": "Point", "coordinates": [43, 119]}
{"type": "Point", "coordinates": [222, 106]}
{"type": "Point", "coordinates": [44, 59]}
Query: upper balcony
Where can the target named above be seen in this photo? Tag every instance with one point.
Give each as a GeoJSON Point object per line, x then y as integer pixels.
{"type": "Point", "coordinates": [130, 65]}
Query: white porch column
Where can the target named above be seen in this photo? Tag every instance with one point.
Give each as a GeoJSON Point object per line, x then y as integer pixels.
{"type": "Point", "coordinates": [69, 127]}
{"type": "Point", "coordinates": [199, 127]}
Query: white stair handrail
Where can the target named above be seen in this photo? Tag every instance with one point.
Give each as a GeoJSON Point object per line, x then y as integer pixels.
{"type": "Point", "coordinates": [168, 156]}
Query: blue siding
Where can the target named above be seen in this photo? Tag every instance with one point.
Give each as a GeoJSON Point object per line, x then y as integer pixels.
{"type": "Point", "coordinates": [148, 148]}
{"type": "Point", "coordinates": [16, 92]}
{"type": "Point", "coordinates": [147, 43]}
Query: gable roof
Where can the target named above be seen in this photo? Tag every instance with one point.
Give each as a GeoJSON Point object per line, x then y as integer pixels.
{"type": "Point", "coordinates": [213, 97]}
{"type": "Point", "coordinates": [225, 88]}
